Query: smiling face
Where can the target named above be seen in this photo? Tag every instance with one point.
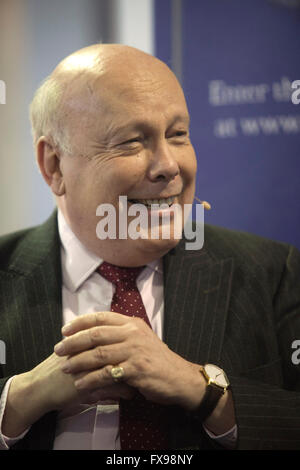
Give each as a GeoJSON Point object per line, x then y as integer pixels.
{"type": "Point", "coordinates": [130, 135]}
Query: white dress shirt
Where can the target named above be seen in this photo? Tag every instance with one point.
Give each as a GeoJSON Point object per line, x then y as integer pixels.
{"type": "Point", "coordinates": [96, 427]}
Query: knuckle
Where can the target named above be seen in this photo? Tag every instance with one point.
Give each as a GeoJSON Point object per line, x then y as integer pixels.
{"type": "Point", "coordinates": [139, 322]}
{"type": "Point", "coordinates": [107, 372]}
{"type": "Point", "coordinates": [94, 335]}
{"type": "Point", "coordinates": [99, 318]}
{"type": "Point", "coordinates": [135, 325]}
{"type": "Point", "coordinates": [141, 364]}
{"type": "Point", "coordinates": [100, 354]}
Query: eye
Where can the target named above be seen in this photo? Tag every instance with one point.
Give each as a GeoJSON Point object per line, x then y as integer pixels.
{"type": "Point", "coordinates": [180, 135]}
{"type": "Point", "coordinates": [134, 140]}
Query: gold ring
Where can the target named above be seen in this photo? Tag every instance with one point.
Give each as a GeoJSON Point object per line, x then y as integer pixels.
{"type": "Point", "coordinates": [117, 373]}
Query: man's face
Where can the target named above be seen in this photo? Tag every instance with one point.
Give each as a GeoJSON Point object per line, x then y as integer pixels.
{"type": "Point", "coordinates": [130, 136]}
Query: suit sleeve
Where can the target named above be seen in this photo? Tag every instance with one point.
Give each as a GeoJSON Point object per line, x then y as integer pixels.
{"type": "Point", "coordinates": [7, 442]}
{"type": "Point", "coordinates": [268, 416]}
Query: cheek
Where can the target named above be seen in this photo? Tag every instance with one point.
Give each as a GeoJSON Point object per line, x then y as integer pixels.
{"type": "Point", "coordinates": [83, 187]}
{"type": "Point", "coordinates": [188, 173]}
{"type": "Point", "coordinates": [189, 166]}
{"type": "Point", "coordinates": [193, 160]}
{"type": "Point", "coordinates": [118, 177]}
{"type": "Point", "coordinates": [126, 175]}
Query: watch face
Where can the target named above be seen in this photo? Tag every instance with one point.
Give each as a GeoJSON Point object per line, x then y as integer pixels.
{"type": "Point", "coordinates": [216, 375]}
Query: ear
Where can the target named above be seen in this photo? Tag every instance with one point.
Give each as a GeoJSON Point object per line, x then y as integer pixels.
{"type": "Point", "coordinates": [48, 160]}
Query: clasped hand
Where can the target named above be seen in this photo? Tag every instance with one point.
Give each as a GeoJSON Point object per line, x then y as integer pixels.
{"type": "Point", "coordinates": [96, 342]}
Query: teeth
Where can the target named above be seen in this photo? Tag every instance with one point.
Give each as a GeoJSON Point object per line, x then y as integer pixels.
{"type": "Point", "coordinates": [149, 202]}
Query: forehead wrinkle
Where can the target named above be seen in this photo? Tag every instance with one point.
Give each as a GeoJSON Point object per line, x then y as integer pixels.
{"type": "Point", "coordinates": [117, 113]}
{"type": "Point", "coordinates": [144, 89]}
{"type": "Point", "coordinates": [114, 129]}
{"type": "Point", "coordinates": [102, 89]}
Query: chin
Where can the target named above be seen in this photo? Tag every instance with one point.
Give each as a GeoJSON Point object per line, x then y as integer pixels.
{"type": "Point", "coordinates": [158, 247]}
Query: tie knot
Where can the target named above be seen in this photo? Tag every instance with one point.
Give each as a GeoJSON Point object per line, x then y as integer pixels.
{"type": "Point", "coordinates": [119, 274]}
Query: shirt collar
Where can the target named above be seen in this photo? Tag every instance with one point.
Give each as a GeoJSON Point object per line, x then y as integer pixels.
{"type": "Point", "coordinates": [78, 263]}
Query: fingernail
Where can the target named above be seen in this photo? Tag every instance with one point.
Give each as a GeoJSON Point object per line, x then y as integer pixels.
{"type": "Point", "coordinates": [79, 383]}
{"type": "Point", "coordinates": [66, 329]}
{"type": "Point", "coordinates": [66, 367]}
{"type": "Point", "coordinates": [59, 348]}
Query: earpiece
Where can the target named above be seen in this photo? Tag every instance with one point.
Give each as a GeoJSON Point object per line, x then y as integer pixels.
{"type": "Point", "coordinates": [206, 204]}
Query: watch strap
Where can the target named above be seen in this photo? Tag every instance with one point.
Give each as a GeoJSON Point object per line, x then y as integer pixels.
{"type": "Point", "coordinates": [209, 402]}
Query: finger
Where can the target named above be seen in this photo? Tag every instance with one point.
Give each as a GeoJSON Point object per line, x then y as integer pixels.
{"type": "Point", "coordinates": [96, 358]}
{"type": "Point", "coordinates": [91, 320]}
{"type": "Point", "coordinates": [96, 379]}
{"type": "Point", "coordinates": [90, 338]}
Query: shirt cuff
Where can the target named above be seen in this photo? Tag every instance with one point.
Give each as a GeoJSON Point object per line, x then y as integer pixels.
{"type": "Point", "coordinates": [7, 442]}
{"type": "Point", "coordinates": [227, 440]}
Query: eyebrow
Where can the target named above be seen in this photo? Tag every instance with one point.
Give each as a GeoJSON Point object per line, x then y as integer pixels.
{"type": "Point", "coordinates": [114, 130]}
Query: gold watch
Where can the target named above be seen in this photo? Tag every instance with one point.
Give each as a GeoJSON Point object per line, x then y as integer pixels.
{"type": "Point", "coordinates": [217, 384]}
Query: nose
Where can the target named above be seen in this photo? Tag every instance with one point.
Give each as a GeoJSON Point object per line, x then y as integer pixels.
{"type": "Point", "coordinates": [163, 165]}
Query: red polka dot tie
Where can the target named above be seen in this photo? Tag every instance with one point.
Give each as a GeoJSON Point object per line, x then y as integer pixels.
{"type": "Point", "coordinates": [142, 423]}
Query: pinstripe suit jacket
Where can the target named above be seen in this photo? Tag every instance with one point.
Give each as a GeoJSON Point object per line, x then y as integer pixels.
{"type": "Point", "coordinates": [235, 303]}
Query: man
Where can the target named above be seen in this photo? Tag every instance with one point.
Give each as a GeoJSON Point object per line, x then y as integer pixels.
{"type": "Point", "coordinates": [112, 121]}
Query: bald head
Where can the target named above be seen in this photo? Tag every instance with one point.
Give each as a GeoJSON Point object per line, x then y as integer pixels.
{"type": "Point", "coordinates": [73, 87]}
{"type": "Point", "coordinates": [102, 58]}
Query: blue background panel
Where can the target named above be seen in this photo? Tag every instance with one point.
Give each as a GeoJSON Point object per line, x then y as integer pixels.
{"type": "Point", "coordinates": [248, 153]}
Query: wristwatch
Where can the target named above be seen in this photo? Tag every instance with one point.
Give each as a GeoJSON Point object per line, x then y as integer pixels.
{"type": "Point", "coordinates": [217, 384]}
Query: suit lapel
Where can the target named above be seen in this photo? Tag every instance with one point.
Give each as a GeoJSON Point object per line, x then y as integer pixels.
{"type": "Point", "coordinates": [197, 291]}
{"type": "Point", "coordinates": [36, 312]}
